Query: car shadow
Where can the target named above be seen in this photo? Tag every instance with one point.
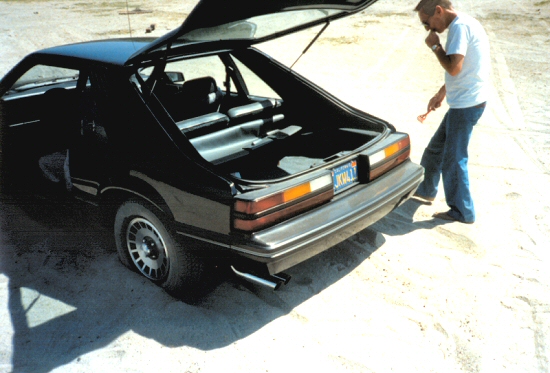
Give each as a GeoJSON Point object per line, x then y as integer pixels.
{"type": "Point", "coordinates": [68, 294]}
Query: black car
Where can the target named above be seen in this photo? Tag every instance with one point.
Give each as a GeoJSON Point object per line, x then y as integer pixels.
{"type": "Point", "coordinates": [202, 148]}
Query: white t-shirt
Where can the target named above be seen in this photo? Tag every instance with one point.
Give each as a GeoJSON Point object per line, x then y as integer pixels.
{"type": "Point", "coordinates": [470, 87]}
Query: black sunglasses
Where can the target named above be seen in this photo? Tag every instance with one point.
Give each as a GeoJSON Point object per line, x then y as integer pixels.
{"type": "Point", "coordinates": [426, 23]}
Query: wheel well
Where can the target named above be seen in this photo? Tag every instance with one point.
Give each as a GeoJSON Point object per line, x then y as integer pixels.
{"type": "Point", "coordinates": [113, 198]}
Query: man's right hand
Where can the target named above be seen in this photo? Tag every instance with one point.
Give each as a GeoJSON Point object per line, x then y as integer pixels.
{"type": "Point", "coordinates": [437, 100]}
{"type": "Point", "coordinates": [434, 103]}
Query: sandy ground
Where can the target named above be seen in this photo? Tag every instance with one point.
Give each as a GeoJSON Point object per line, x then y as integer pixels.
{"type": "Point", "coordinates": [409, 294]}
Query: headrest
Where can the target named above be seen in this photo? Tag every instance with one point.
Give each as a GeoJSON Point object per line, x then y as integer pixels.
{"type": "Point", "coordinates": [204, 85]}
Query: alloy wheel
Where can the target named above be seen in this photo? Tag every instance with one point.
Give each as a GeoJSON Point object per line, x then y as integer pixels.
{"type": "Point", "coordinates": [147, 249]}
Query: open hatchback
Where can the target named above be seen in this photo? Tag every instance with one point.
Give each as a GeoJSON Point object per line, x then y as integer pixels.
{"type": "Point", "coordinates": [201, 148]}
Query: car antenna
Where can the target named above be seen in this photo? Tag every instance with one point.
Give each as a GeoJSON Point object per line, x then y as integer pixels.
{"type": "Point", "coordinates": [128, 14]}
{"type": "Point", "coordinates": [311, 43]}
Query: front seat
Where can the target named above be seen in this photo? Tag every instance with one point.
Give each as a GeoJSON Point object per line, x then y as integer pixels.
{"type": "Point", "coordinates": [198, 97]}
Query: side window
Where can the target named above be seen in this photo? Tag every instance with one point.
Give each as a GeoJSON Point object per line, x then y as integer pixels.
{"type": "Point", "coordinates": [40, 96]}
{"type": "Point", "coordinates": [255, 85]}
{"type": "Point", "coordinates": [43, 75]}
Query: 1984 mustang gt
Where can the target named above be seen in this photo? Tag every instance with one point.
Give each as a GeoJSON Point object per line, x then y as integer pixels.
{"type": "Point", "coordinates": [199, 146]}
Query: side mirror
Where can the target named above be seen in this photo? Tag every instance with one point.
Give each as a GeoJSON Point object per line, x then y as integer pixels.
{"type": "Point", "coordinates": [175, 76]}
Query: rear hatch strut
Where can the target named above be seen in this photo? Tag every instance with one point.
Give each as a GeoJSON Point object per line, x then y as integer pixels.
{"type": "Point", "coordinates": [311, 43]}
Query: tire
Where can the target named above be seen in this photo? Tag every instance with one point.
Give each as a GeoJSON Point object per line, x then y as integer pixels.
{"type": "Point", "coordinates": [145, 244]}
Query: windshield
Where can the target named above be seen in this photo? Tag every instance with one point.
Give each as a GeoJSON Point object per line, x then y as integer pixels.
{"type": "Point", "coordinates": [258, 27]}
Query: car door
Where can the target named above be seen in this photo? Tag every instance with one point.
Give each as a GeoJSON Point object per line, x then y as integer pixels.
{"type": "Point", "coordinates": [38, 112]}
{"type": "Point", "coordinates": [89, 153]}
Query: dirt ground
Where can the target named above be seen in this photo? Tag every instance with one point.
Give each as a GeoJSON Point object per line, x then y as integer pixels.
{"type": "Point", "coordinates": [408, 294]}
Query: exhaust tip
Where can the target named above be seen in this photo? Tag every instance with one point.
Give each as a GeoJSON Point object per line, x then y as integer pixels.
{"type": "Point", "coordinates": [283, 277]}
{"type": "Point", "coordinates": [274, 282]}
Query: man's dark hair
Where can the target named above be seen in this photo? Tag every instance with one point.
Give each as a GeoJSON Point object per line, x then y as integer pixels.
{"type": "Point", "coordinates": [428, 6]}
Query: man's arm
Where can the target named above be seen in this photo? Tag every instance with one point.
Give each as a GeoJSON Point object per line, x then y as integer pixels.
{"type": "Point", "coordinates": [452, 63]}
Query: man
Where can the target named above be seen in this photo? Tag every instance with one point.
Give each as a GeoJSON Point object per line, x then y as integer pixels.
{"type": "Point", "coordinates": [466, 61]}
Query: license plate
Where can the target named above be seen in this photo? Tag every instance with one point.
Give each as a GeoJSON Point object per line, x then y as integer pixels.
{"type": "Point", "coordinates": [344, 176]}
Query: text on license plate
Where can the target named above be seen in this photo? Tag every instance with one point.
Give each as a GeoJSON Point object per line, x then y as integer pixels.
{"type": "Point", "coordinates": [344, 176]}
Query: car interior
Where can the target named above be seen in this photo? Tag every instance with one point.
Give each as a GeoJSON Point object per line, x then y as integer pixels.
{"type": "Point", "coordinates": [244, 127]}
{"type": "Point", "coordinates": [222, 124]}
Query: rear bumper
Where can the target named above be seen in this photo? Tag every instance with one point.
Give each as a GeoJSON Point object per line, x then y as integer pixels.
{"type": "Point", "coordinates": [293, 241]}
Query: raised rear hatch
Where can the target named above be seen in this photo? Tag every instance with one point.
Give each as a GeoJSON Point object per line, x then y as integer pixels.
{"type": "Point", "coordinates": [247, 22]}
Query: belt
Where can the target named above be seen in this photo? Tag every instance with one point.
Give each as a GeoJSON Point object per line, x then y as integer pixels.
{"type": "Point", "coordinates": [482, 105]}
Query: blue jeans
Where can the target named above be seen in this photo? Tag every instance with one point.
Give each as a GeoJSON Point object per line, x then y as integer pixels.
{"type": "Point", "coordinates": [447, 156]}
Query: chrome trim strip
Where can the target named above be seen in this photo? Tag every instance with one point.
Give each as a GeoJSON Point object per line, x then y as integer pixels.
{"type": "Point", "coordinates": [86, 189]}
{"type": "Point", "coordinates": [255, 253]}
{"type": "Point", "coordinates": [204, 239]}
{"type": "Point", "coordinates": [22, 124]}
{"type": "Point", "coordinates": [15, 96]}
{"type": "Point", "coordinates": [85, 181]}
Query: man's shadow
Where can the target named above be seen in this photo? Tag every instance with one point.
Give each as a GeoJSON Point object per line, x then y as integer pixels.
{"type": "Point", "coordinates": [401, 221]}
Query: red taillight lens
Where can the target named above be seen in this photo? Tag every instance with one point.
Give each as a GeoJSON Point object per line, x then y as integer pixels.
{"type": "Point", "coordinates": [253, 207]}
{"type": "Point", "coordinates": [389, 157]}
{"type": "Point", "coordinates": [255, 214]}
{"type": "Point", "coordinates": [275, 217]}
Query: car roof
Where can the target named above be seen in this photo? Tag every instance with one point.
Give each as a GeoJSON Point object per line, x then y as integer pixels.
{"type": "Point", "coordinates": [112, 51]}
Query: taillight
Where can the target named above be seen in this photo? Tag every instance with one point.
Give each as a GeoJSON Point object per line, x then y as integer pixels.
{"type": "Point", "coordinates": [389, 157]}
{"type": "Point", "coordinates": [251, 215]}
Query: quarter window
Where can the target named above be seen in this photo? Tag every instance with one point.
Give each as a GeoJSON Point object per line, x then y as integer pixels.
{"type": "Point", "coordinates": [255, 85]}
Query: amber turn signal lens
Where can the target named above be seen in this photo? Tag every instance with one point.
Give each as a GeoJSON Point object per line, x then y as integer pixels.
{"type": "Point", "coordinates": [271, 209]}
{"type": "Point", "coordinates": [388, 158]}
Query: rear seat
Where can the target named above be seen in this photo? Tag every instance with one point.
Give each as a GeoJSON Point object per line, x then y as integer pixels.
{"type": "Point", "coordinates": [222, 146]}
{"type": "Point", "coordinates": [203, 124]}
{"type": "Point", "coordinates": [247, 112]}
{"type": "Point", "coordinates": [220, 138]}
{"type": "Point", "coordinates": [238, 141]}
